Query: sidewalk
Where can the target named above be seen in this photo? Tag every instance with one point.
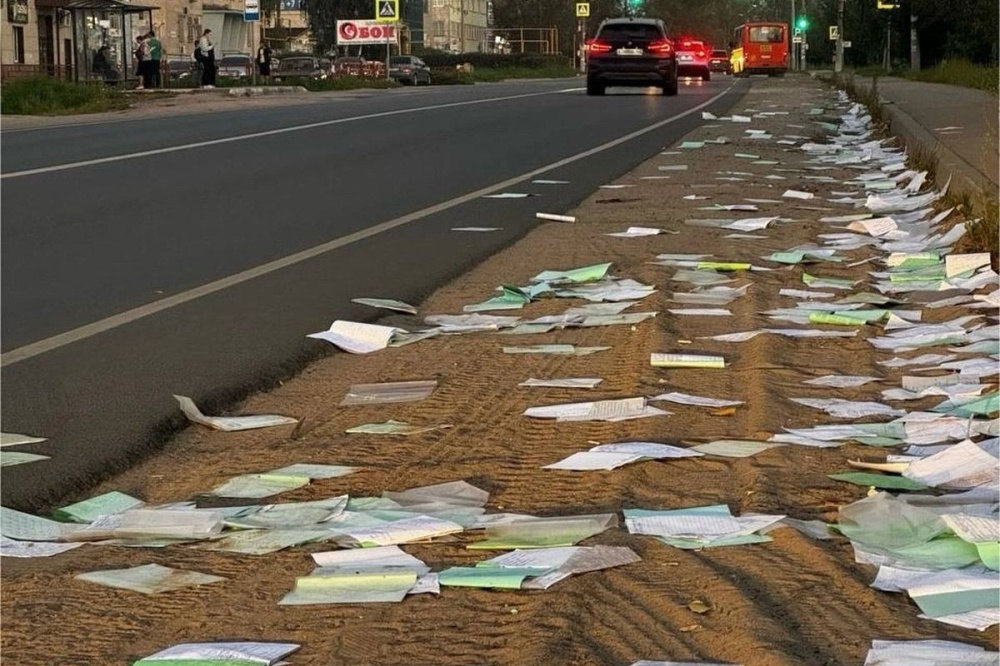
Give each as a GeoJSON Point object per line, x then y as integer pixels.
{"type": "Point", "coordinates": [924, 112]}
{"type": "Point", "coordinates": [786, 600]}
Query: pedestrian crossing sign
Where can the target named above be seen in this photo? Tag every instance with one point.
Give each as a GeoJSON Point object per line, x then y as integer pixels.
{"type": "Point", "coordinates": [582, 9]}
{"type": "Point", "coordinates": [387, 10]}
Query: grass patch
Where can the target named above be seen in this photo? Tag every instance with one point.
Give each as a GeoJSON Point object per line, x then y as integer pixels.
{"type": "Point", "coordinates": [449, 76]}
{"type": "Point", "coordinates": [43, 95]}
{"type": "Point", "coordinates": [922, 158]}
{"type": "Point", "coordinates": [956, 72]}
{"type": "Point", "coordinates": [505, 73]}
{"type": "Point", "coordinates": [984, 233]}
{"type": "Point", "coordinates": [867, 96]}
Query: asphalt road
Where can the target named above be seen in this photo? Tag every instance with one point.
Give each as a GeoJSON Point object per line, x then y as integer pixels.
{"type": "Point", "coordinates": [192, 254]}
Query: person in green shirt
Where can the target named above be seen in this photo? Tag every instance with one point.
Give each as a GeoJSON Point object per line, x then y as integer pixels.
{"type": "Point", "coordinates": [155, 53]}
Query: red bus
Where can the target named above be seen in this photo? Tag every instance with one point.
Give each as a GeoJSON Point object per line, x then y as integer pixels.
{"type": "Point", "coordinates": [760, 48]}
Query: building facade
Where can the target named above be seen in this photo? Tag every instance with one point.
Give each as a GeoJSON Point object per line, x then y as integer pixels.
{"type": "Point", "coordinates": [458, 26]}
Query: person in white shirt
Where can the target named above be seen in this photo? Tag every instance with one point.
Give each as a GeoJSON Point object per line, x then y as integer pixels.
{"type": "Point", "coordinates": [206, 56]}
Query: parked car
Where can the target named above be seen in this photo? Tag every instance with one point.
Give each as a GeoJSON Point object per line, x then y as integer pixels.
{"type": "Point", "coordinates": [302, 67]}
{"type": "Point", "coordinates": [631, 52]}
{"type": "Point", "coordinates": [179, 67]}
{"type": "Point", "coordinates": [692, 59]}
{"type": "Point", "coordinates": [350, 66]}
{"type": "Point", "coordinates": [409, 70]}
{"type": "Point", "coordinates": [719, 62]}
{"type": "Point", "coordinates": [236, 65]}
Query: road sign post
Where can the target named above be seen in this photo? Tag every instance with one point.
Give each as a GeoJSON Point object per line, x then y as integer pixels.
{"type": "Point", "coordinates": [582, 12]}
{"type": "Point", "coordinates": [838, 65]}
{"type": "Point", "coordinates": [387, 11]}
{"type": "Point", "coordinates": [251, 14]}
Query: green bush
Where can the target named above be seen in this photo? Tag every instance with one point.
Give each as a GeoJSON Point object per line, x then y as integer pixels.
{"type": "Point", "coordinates": [445, 76]}
{"type": "Point", "coordinates": [43, 95]}
{"type": "Point", "coordinates": [959, 73]}
{"type": "Point", "coordinates": [496, 60]}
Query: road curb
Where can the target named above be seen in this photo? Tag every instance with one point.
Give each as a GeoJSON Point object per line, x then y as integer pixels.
{"type": "Point", "coordinates": [965, 177]}
{"type": "Point", "coordinates": [265, 90]}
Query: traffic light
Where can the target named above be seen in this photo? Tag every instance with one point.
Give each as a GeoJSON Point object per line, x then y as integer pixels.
{"type": "Point", "coordinates": [802, 23]}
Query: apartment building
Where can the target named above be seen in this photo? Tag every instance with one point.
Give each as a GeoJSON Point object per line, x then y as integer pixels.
{"type": "Point", "coordinates": [458, 26]}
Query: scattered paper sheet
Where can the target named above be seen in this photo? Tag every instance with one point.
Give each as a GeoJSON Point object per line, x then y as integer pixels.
{"type": "Point", "coordinates": [12, 548]}
{"type": "Point", "coordinates": [393, 428]}
{"type": "Point", "coordinates": [420, 528]}
{"type": "Point", "coordinates": [357, 338]}
{"type": "Point", "coordinates": [734, 448]}
{"type": "Point", "coordinates": [91, 509]}
{"type": "Point", "coordinates": [637, 232]}
{"type": "Point", "coordinates": [386, 303]}
{"type": "Point", "coordinates": [264, 654]}
{"type": "Point", "coordinates": [15, 439]}
{"type": "Point", "coordinates": [149, 578]}
{"type": "Point", "coordinates": [390, 392]}
{"type": "Point", "coordinates": [230, 423]}
{"type": "Point", "coordinates": [565, 350]}
{"type": "Point", "coordinates": [603, 410]}
{"type": "Point", "coordinates": [575, 382]}
{"type": "Point", "coordinates": [696, 400]}
{"type": "Point", "coordinates": [658, 360]}
{"type": "Point", "coordinates": [11, 458]}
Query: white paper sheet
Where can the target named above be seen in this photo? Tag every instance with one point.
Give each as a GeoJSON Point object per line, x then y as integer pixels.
{"type": "Point", "coordinates": [230, 423]}
{"type": "Point", "coordinates": [356, 337]}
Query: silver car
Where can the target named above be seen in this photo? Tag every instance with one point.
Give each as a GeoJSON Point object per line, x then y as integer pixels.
{"type": "Point", "coordinates": [236, 65]}
{"type": "Point", "coordinates": [409, 70]}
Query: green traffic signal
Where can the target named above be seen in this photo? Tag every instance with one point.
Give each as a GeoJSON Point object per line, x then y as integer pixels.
{"type": "Point", "coordinates": [802, 23]}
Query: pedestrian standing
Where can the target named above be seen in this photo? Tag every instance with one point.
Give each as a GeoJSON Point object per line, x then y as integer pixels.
{"type": "Point", "coordinates": [207, 50]}
{"type": "Point", "coordinates": [264, 60]}
{"type": "Point", "coordinates": [155, 53]}
{"type": "Point", "coordinates": [142, 62]}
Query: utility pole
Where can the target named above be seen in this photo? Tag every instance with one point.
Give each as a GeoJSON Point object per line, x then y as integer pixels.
{"type": "Point", "coordinates": [461, 27]}
{"type": "Point", "coordinates": [791, 27]}
{"type": "Point", "coordinates": [805, 42]}
{"type": "Point", "coordinates": [914, 42]}
{"type": "Point", "coordinates": [839, 64]}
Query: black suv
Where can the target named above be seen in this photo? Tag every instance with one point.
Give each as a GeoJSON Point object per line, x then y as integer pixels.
{"type": "Point", "coordinates": [631, 52]}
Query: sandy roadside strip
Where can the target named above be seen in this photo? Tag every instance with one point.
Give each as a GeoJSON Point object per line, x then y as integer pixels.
{"type": "Point", "coordinates": [792, 601]}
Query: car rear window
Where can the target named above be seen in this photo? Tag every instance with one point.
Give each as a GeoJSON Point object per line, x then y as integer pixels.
{"type": "Point", "coordinates": [719, 54]}
{"type": "Point", "coordinates": [770, 33]}
{"type": "Point", "coordinates": [297, 65]}
{"type": "Point", "coordinates": [399, 61]}
{"type": "Point", "coordinates": [234, 62]}
{"type": "Point", "coordinates": [634, 31]}
{"type": "Point", "coordinates": [690, 46]}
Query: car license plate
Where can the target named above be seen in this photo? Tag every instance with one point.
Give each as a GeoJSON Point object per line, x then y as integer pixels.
{"type": "Point", "coordinates": [685, 58]}
{"type": "Point", "coordinates": [630, 52]}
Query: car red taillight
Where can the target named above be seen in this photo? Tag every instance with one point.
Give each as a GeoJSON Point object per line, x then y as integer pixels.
{"type": "Point", "coordinates": [597, 46]}
{"type": "Point", "coordinates": [660, 46]}
{"type": "Point", "coordinates": [701, 54]}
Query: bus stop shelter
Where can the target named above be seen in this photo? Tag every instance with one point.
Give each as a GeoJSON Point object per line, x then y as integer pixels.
{"type": "Point", "coordinates": [94, 24]}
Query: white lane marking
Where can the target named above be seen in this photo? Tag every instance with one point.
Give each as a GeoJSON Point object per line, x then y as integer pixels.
{"type": "Point", "coordinates": [257, 135]}
{"type": "Point", "coordinates": [122, 318]}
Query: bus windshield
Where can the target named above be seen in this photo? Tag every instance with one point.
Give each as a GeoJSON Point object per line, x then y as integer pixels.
{"type": "Point", "coordinates": [767, 33]}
